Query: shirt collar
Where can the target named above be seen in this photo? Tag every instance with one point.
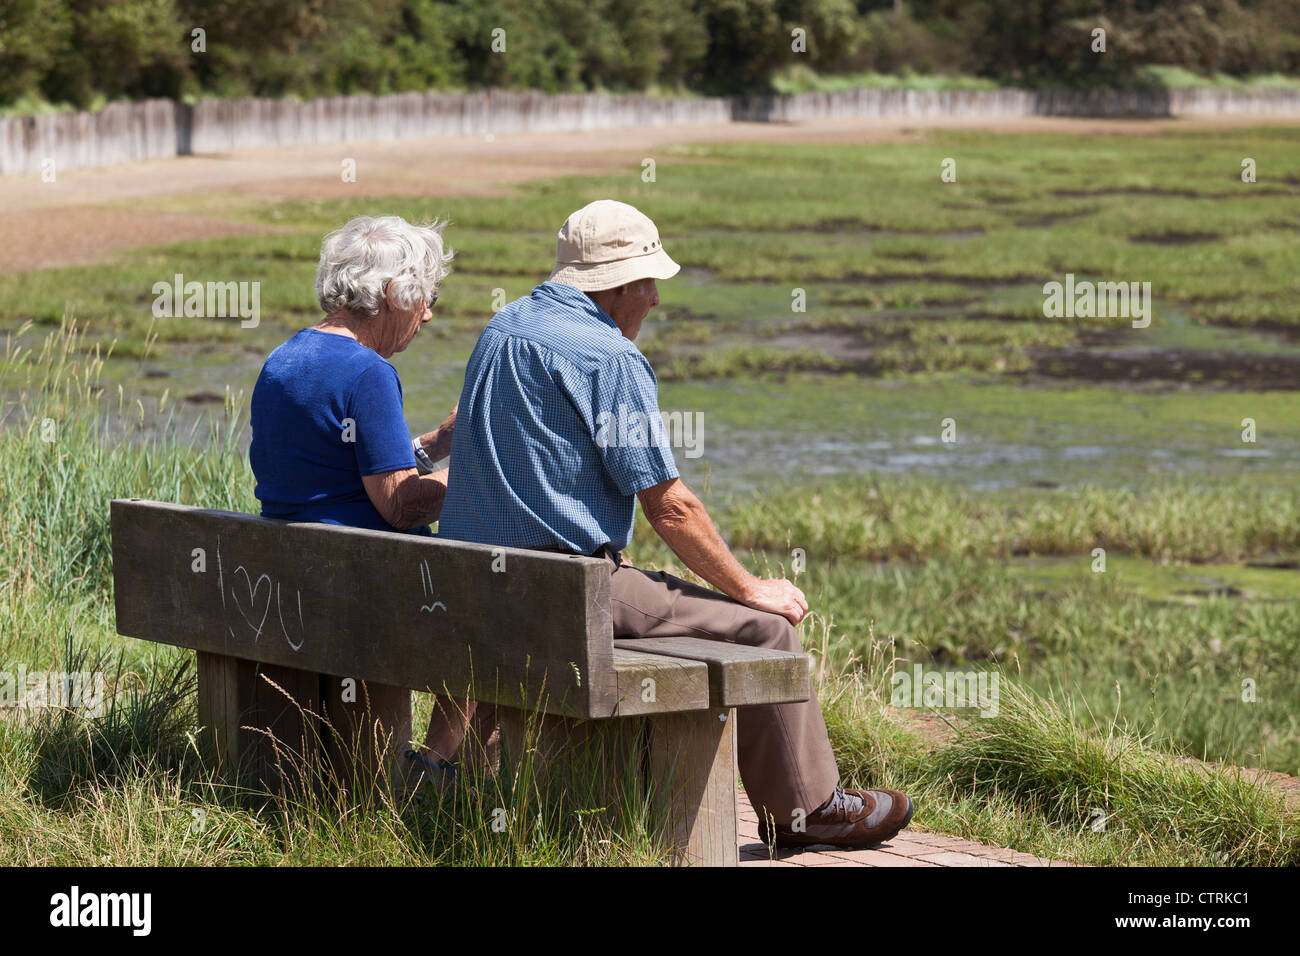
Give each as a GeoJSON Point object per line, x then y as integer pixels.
{"type": "Point", "coordinates": [576, 299]}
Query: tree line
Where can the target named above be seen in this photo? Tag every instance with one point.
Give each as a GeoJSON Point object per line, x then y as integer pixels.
{"type": "Point", "coordinates": [80, 51]}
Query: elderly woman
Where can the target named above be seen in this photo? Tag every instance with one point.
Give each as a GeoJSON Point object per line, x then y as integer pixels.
{"type": "Point", "coordinates": [330, 442]}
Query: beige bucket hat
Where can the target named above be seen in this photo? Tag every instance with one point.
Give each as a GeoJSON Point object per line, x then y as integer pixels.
{"type": "Point", "coordinates": [606, 244]}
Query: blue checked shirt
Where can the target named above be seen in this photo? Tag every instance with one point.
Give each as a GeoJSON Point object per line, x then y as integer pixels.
{"type": "Point", "coordinates": [558, 429]}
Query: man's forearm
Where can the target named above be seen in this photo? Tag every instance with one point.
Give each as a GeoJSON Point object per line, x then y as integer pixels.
{"type": "Point", "coordinates": [437, 443]}
{"type": "Point", "coordinates": [688, 530]}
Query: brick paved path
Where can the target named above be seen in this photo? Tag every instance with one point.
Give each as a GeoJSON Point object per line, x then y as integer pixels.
{"type": "Point", "coordinates": [909, 848]}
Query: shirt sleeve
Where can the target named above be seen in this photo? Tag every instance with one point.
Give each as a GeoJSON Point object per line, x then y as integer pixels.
{"type": "Point", "coordinates": [628, 428]}
{"type": "Point", "coordinates": [382, 440]}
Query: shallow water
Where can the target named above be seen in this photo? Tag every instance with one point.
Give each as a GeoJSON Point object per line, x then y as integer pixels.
{"type": "Point", "coordinates": [1033, 432]}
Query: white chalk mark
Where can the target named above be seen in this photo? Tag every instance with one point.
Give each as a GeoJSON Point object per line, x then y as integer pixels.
{"type": "Point", "coordinates": [221, 588]}
{"type": "Point", "coordinates": [253, 590]}
{"type": "Point", "coordinates": [301, 627]}
{"type": "Point", "coordinates": [426, 582]}
{"type": "Point", "coordinates": [252, 598]}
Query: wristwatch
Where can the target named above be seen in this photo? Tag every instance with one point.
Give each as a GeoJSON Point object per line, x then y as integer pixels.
{"type": "Point", "coordinates": [423, 463]}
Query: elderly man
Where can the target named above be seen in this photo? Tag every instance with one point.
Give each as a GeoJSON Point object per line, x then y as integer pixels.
{"type": "Point", "coordinates": [533, 465]}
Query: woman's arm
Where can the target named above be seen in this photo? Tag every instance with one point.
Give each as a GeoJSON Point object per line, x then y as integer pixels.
{"type": "Point", "coordinates": [405, 498]}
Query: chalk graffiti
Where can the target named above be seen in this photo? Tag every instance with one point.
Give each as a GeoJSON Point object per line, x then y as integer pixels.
{"type": "Point", "coordinates": [426, 582]}
{"type": "Point", "coordinates": [254, 588]}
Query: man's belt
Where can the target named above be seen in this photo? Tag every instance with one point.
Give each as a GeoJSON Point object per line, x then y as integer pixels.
{"type": "Point", "coordinates": [604, 551]}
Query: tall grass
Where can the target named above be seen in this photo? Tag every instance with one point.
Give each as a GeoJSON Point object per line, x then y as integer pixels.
{"type": "Point", "coordinates": [1035, 753]}
{"type": "Point", "coordinates": [1036, 775]}
{"type": "Point", "coordinates": [915, 519]}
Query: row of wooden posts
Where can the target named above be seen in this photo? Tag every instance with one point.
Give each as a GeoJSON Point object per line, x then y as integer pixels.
{"type": "Point", "coordinates": [160, 129]}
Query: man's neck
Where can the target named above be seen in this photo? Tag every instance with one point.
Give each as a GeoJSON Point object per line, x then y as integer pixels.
{"type": "Point", "coordinates": [605, 302]}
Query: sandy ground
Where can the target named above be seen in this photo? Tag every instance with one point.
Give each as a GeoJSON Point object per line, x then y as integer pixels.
{"type": "Point", "coordinates": [87, 215]}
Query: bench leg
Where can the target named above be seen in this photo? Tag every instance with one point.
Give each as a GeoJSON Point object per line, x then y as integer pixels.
{"type": "Point", "coordinates": [220, 709]}
{"type": "Point", "coordinates": [262, 737]}
{"type": "Point", "coordinates": [692, 765]}
{"type": "Point", "coordinates": [685, 763]}
{"type": "Point", "coordinates": [234, 696]}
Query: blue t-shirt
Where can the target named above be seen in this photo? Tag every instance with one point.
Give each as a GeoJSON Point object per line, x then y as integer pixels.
{"type": "Point", "coordinates": [558, 429]}
{"type": "Point", "coordinates": [325, 411]}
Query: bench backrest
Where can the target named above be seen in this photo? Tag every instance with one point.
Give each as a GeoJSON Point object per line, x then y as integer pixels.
{"type": "Point", "coordinates": [501, 625]}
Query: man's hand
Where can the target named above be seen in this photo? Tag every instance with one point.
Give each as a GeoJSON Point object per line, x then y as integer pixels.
{"type": "Point", "coordinates": [437, 443]}
{"type": "Point", "coordinates": [678, 517]}
{"type": "Point", "coordinates": [778, 596]}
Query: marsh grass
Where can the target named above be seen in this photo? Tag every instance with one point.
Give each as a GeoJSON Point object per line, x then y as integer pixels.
{"type": "Point", "coordinates": [1035, 753]}
{"type": "Point", "coordinates": [1033, 776]}
{"type": "Point", "coordinates": [1163, 648]}
{"type": "Point", "coordinates": [146, 725]}
{"type": "Point", "coordinates": [876, 518]}
{"type": "Point", "coordinates": [1170, 209]}
{"type": "Point", "coordinates": [133, 787]}
{"type": "Point", "coordinates": [503, 809]}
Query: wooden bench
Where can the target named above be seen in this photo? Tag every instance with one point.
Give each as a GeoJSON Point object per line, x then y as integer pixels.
{"type": "Point", "coordinates": [314, 609]}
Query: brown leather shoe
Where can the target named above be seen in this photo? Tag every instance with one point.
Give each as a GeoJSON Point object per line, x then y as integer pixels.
{"type": "Point", "coordinates": [850, 818]}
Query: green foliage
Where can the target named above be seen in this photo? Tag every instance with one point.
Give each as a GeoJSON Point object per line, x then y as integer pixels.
{"type": "Point", "coordinates": [1033, 777]}
{"type": "Point", "coordinates": [133, 48]}
{"type": "Point", "coordinates": [32, 32]}
{"type": "Point", "coordinates": [73, 51]}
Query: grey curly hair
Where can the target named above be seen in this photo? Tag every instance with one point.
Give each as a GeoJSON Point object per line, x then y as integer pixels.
{"type": "Point", "coordinates": [371, 253]}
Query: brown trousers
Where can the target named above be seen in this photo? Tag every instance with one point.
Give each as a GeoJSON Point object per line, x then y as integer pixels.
{"type": "Point", "coordinates": [786, 763]}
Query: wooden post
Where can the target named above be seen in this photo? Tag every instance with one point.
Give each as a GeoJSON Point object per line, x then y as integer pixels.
{"type": "Point", "coordinates": [219, 706]}
{"type": "Point", "coordinates": [684, 762]}
{"type": "Point", "coordinates": [692, 773]}
{"type": "Point", "coordinates": [260, 735]}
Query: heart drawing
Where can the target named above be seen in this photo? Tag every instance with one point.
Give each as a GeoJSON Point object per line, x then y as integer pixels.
{"type": "Point", "coordinates": [253, 590]}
